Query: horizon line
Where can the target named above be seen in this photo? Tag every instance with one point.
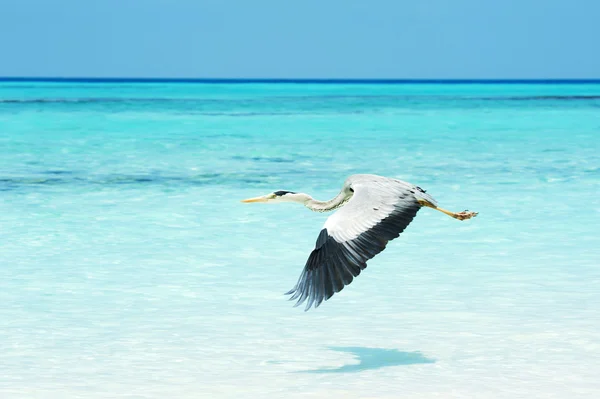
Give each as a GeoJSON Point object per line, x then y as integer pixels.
{"type": "Point", "coordinates": [57, 79]}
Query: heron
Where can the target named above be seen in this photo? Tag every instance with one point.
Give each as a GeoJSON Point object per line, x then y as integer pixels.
{"type": "Point", "coordinates": [374, 210]}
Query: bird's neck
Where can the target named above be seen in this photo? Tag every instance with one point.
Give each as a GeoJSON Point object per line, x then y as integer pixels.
{"type": "Point", "coordinates": [325, 206]}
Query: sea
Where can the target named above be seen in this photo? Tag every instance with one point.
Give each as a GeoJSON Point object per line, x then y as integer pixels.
{"type": "Point", "coordinates": [129, 268]}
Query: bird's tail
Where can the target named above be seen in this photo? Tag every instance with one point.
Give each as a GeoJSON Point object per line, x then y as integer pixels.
{"type": "Point", "coordinates": [421, 194]}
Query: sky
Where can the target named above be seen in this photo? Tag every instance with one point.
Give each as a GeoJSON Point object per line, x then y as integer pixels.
{"type": "Point", "coordinates": [344, 39]}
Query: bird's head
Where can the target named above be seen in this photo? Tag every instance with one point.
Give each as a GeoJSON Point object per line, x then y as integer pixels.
{"type": "Point", "coordinates": [279, 196]}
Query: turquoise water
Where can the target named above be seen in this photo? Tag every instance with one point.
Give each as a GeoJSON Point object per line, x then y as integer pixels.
{"type": "Point", "coordinates": [129, 268]}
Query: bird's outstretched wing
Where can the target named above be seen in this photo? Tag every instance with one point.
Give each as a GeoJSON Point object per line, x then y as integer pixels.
{"type": "Point", "coordinates": [377, 213]}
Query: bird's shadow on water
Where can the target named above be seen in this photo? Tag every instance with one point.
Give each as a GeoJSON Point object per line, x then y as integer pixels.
{"type": "Point", "coordinates": [374, 358]}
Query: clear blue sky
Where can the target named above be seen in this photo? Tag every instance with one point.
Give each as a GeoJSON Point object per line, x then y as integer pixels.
{"type": "Point", "coordinates": [301, 39]}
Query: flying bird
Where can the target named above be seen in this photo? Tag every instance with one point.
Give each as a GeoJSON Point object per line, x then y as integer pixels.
{"type": "Point", "coordinates": [374, 210]}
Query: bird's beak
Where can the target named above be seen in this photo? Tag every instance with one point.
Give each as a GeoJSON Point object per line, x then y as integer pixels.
{"type": "Point", "coordinates": [255, 199]}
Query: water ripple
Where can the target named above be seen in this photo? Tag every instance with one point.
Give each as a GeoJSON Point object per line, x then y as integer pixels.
{"type": "Point", "coordinates": [134, 180]}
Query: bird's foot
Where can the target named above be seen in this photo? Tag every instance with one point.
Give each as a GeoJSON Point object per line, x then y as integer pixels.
{"type": "Point", "coordinates": [464, 215]}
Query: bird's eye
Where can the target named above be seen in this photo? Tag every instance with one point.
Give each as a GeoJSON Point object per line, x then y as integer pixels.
{"type": "Point", "coordinates": [351, 190]}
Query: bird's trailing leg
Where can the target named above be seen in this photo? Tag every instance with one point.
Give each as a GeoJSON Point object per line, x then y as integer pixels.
{"type": "Point", "coordinates": [464, 215]}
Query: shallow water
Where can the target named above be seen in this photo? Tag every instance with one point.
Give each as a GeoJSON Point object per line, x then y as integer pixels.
{"type": "Point", "coordinates": [129, 268]}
